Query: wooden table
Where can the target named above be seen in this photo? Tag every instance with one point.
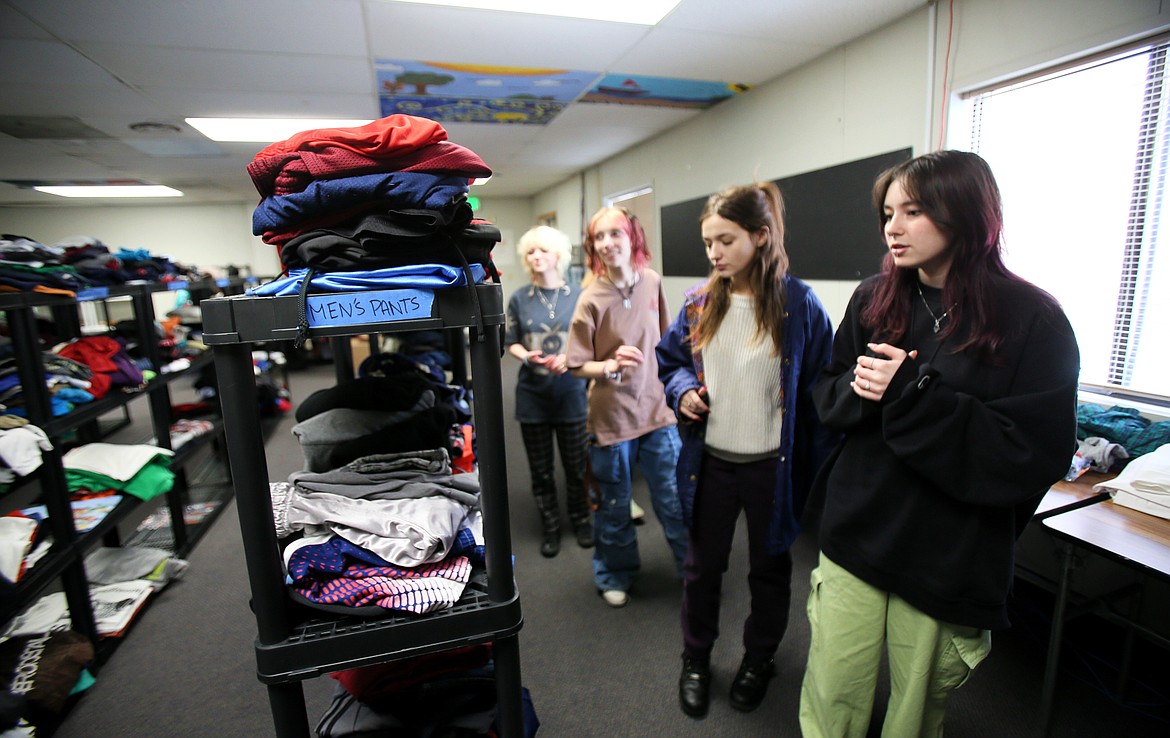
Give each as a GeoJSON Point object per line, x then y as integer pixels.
{"type": "Point", "coordinates": [1135, 539]}
{"type": "Point", "coordinates": [1064, 496]}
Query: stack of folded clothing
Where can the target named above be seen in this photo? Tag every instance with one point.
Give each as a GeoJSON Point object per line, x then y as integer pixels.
{"type": "Point", "coordinates": [140, 470]}
{"type": "Point", "coordinates": [370, 197]}
{"type": "Point", "coordinates": [1144, 484]}
{"type": "Point", "coordinates": [70, 383]}
{"type": "Point", "coordinates": [79, 263]}
{"type": "Point", "coordinates": [29, 266]}
{"type": "Point", "coordinates": [107, 358]}
{"type": "Point", "coordinates": [400, 411]}
{"type": "Point", "coordinates": [384, 532]}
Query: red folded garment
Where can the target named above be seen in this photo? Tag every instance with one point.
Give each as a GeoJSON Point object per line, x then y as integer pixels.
{"type": "Point", "coordinates": [383, 137]}
{"type": "Point", "coordinates": [295, 170]}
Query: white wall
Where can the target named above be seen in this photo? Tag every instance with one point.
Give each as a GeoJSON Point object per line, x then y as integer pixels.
{"type": "Point", "coordinates": [206, 236]}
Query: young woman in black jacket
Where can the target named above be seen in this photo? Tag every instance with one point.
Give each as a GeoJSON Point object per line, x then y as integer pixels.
{"type": "Point", "coordinates": [954, 383]}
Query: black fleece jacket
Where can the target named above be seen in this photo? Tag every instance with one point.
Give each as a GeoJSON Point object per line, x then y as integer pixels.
{"type": "Point", "coordinates": [930, 488]}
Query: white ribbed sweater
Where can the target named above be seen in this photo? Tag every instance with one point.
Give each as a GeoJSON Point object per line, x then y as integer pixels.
{"type": "Point", "coordinates": [743, 385]}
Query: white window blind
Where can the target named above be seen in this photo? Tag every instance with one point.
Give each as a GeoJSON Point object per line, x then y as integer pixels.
{"type": "Point", "coordinates": [1082, 155]}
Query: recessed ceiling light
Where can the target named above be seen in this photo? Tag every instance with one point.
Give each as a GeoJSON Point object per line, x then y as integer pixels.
{"type": "Point", "coordinates": [265, 130]}
{"type": "Point", "coordinates": [642, 12]}
{"type": "Point", "coordinates": [109, 190]}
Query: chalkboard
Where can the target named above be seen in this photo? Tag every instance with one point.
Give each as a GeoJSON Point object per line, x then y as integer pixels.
{"type": "Point", "coordinates": [831, 227]}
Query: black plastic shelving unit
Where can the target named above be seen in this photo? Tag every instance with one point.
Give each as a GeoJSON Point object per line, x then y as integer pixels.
{"type": "Point", "coordinates": [48, 485]}
{"type": "Point", "coordinates": [294, 643]}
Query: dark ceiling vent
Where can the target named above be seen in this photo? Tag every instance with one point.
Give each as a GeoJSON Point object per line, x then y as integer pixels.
{"type": "Point", "coordinates": [45, 128]}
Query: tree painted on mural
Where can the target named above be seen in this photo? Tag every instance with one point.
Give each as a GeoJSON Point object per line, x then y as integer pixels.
{"type": "Point", "coordinates": [422, 80]}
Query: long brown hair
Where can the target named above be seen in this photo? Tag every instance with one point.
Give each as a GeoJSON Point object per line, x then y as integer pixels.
{"type": "Point", "coordinates": [958, 192]}
{"type": "Point", "coordinates": [757, 208]}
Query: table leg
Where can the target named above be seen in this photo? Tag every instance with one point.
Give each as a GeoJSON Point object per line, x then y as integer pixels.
{"type": "Point", "coordinates": [1054, 640]}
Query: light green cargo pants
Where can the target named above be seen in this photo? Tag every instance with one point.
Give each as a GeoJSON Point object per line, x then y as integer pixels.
{"type": "Point", "coordinates": [850, 623]}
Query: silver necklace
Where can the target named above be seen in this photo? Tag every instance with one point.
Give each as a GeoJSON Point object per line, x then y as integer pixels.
{"type": "Point", "coordinates": [626, 293]}
{"type": "Point", "coordinates": [551, 308]}
{"type": "Point", "coordinates": [938, 319]}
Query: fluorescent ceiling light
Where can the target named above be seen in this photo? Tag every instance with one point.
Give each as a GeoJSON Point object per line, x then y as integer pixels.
{"type": "Point", "coordinates": [641, 12]}
{"type": "Point", "coordinates": [481, 180]}
{"type": "Point", "coordinates": [264, 130]}
{"type": "Point", "coordinates": [109, 190]}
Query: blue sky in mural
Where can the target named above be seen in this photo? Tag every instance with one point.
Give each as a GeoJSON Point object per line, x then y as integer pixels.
{"type": "Point", "coordinates": [477, 93]}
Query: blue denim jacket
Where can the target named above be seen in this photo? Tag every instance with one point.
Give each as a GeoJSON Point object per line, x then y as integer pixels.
{"type": "Point", "coordinates": [804, 443]}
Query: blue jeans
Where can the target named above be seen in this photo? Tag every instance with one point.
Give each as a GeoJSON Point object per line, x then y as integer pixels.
{"type": "Point", "coordinates": [615, 553]}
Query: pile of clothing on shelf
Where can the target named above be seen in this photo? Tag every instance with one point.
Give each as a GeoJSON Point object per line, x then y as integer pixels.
{"type": "Point", "coordinates": [24, 541]}
{"type": "Point", "coordinates": [21, 444]}
{"type": "Point", "coordinates": [41, 672]}
{"type": "Point", "coordinates": [139, 470]}
{"type": "Point", "coordinates": [450, 693]}
{"type": "Point", "coordinates": [382, 205]}
{"type": "Point", "coordinates": [79, 263]}
{"type": "Point", "coordinates": [70, 382]}
{"type": "Point", "coordinates": [385, 532]}
{"type": "Point", "coordinates": [43, 663]}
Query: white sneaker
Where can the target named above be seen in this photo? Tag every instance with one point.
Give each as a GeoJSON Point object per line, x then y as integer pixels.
{"type": "Point", "coordinates": [636, 512]}
{"type": "Point", "coordinates": [615, 597]}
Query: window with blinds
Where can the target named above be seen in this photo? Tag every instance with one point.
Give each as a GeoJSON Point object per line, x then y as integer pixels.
{"type": "Point", "coordinates": [1081, 155]}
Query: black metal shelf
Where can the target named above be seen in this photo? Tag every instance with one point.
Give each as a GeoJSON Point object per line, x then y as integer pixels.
{"type": "Point", "coordinates": [65, 561]}
{"type": "Point", "coordinates": [353, 642]}
{"type": "Point", "coordinates": [292, 646]}
{"type": "Point", "coordinates": [247, 319]}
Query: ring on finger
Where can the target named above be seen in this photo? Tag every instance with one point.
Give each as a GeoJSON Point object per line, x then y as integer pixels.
{"type": "Point", "coordinates": [867, 385]}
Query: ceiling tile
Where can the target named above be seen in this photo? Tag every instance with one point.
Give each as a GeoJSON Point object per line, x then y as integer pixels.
{"type": "Point", "coordinates": [149, 66]}
{"type": "Point", "coordinates": [308, 26]}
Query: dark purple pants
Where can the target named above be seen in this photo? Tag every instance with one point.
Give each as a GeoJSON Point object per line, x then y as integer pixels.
{"type": "Point", "coordinates": [724, 490]}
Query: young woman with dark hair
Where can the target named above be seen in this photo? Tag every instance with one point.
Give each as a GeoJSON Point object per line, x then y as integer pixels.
{"type": "Point", "coordinates": [619, 319]}
{"type": "Point", "coordinates": [738, 364]}
{"type": "Point", "coordinates": [954, 383]}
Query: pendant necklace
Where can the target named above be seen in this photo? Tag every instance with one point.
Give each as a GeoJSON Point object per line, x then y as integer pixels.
{"type": "Point", "coordinates": [626, 293]}
{"type": "Point", "coordinates": [937, 319]}
{"type": "Point", "coordinates": [552, 308]}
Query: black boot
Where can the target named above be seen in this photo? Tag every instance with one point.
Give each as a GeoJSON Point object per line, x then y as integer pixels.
{"type": "Point", "coordinates": [550, 542]}
{"type": "Point", "coordinates": [694, 686]}
{"type": "Point", "coordinates": [584, 533]}
{"type": "Point", "coordinates": [751, 684]}
{"type": "Point", "coordinates": [550, 525]}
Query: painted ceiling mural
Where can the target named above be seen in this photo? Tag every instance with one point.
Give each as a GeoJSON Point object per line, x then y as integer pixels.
{"type": "Point", "coordinates": [465, 93]}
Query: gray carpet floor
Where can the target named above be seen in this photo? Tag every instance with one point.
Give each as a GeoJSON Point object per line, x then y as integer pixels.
{"type": "Point", "coordinates": [187, 667]}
